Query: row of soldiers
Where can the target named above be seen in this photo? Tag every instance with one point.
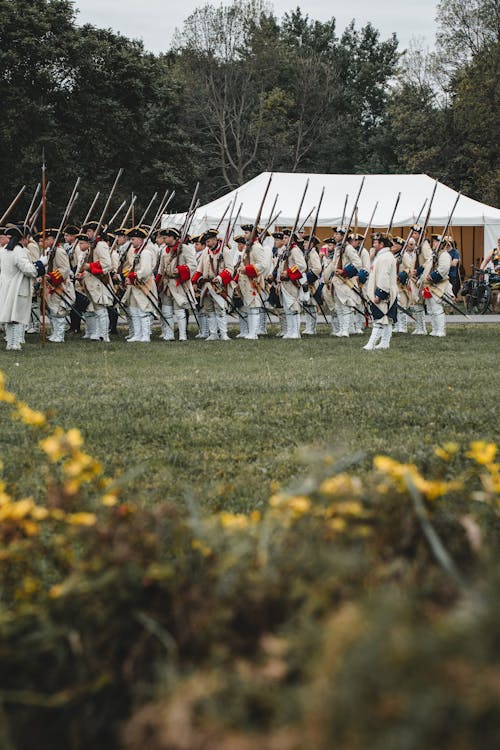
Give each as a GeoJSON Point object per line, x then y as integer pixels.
{"type": "Point", "coordinates": [145, 275]}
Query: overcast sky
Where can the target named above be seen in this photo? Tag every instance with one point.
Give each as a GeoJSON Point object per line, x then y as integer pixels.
{"type": "Point", "coordinates": [154, 21]}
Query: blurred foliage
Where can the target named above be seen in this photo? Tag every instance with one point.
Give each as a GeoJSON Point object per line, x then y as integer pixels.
{"type": "Point", "coordinates": [358, 611]}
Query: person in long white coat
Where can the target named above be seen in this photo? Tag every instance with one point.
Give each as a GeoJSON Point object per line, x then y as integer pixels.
{"type": "Point", "coordinates": [177, 264]}
{"type": "Point", "coordinates": [17, 274]}
{"type": "Point", "coordinates": [94, 277]}
{"type": "Point", "coordinates": [346, 264]}
{"type": "Point", "coordinates": [251, 280]}
{"type": "Point", "coordinates": [141, 295]}
{"type": "Point", "coordinates": [436, 283]}
{"type": "Point", "coordinates": [382, 291]}
{"type": "Point", "coordinates": [59, 291]}
{"type": "Point", "coordinates": [213, 277]}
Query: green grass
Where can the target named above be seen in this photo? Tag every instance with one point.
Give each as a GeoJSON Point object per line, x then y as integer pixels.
{"type": "Point", "coordinates": [217, 423]}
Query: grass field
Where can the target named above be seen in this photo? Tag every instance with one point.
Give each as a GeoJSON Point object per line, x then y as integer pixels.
{"type": "Point", "coordinates": [218, 423]}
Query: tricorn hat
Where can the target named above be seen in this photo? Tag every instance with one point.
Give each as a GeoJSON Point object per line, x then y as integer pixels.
{"type": "Point", "coordinates": [137, 232]}
{"type": "Point", "coordinates": [71, 229]}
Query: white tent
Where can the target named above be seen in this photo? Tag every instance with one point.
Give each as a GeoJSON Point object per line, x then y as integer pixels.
{"type": "Point", "coordinates": [384, 188]}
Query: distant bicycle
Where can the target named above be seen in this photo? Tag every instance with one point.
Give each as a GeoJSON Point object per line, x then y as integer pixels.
{"type": "Point", "coordinates": [477, 291]}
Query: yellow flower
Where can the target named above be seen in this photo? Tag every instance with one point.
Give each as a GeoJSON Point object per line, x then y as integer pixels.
{"type": "Point", "coordinates": [109, 499]}
{"type": "Point", "coordinates": [348, 508]}
{"type": "Point", "coordinates": [298, 504]}
{"type": "Point", "coordinates": [74, 438]}
{"type": "Point", "coordinates": [29, 416]}
{"type": "Point", "coordinates": [7, 397]}
{"type": "Point", "coordinates": [481, 452]}
{"type": "Point", "coordinates": [337, 524]}
{"type": "Point", "coordinates": [233, 520]}
{"type": "Point", "coordinates": [197, 544]}
{"type": "Point", "coordinates": [16, 511]}
{"type": "Point", "coordinates": [54, 445]}
{"type": "Point", "coordinates": [81, 519]}
{"type": "Point", "coordinates": [56, 591]}
{"type": "Point", "coordinates": [39, 513]}
{"type": "Point", "coordinates": [446, 451]}
{"type": "Point", "coordinates": [341, 484]}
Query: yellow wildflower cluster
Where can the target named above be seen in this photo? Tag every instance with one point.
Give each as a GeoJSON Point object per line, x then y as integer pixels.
{"type": "Point", "coordinates": [403, 474]}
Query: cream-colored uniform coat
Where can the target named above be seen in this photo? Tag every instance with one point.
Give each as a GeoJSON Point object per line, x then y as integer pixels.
{"type": "Point", "coordinates": [343, 287]}
{"type": "Point", "coordinates": [250, 288]}
{"type": "Point", "coordinates": [442, 266]}
{"type": "Point", "coordinates": [210, 265]}
{"type": "Point", "coordinates": [172, 290]}
{"type": "Point", "coordinates": [290, 290]}
{"type": "Point", "coordinates": [55, 303]}
{"type": "Point", "coordinates": [383, 276]}
{"type": "Point", "coordinates": [17, 274]}
{"type": "Point", "coordinates": [136, 294]}
{"type": "Point", "coordinates": [97, 293]}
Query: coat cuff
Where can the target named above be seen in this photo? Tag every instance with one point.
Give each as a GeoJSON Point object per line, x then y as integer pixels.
{"type": "Point", "coordinates": [350, 271]}
{"type": "Point", "coordinates": [311, 277]}
{"type": "Point", "coordinates": [293, 273]}
{"type": "Point", "coordinates": [184, 273]}
{"type": "Point", "coordinates": [96, 268]}
{"type": "Point", "coordinates": [251, 272]}
{"type": "Point", "coordinates": [226, 277]}
{"type": "Point", "coordinates": [381, 294]}
{"type": "Point", "coordinates": [39, 267]}
{"type": "Point", "coordinates": [435, 276]}
{"type": "Point", "coordinates": [56, 278]}
{"type": "Point", "coordinates": [196, 276]}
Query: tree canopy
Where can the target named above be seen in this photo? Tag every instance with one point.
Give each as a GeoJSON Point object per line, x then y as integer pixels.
{"type": "Point", "coordinates": [239, 92]}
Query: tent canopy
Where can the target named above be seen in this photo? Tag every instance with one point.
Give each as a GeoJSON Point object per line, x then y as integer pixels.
{"type": "Point", "coordinates": [384, 189]}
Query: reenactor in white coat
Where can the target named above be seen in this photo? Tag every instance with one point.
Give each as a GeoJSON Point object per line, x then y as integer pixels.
{"type": "Point", "coordinates": [263, 313]}
{"type": "Point", "coordinates": [213, 278]}
{"type": "Point", "coordinates": [424, 253]}
{"type": "Point", "coordinates": [93, 275]}
{"type": "Point", "coordinates": [199, 245]}
{"type": "Point", "coordinates": [313, 274]}
{"type": "Point", "coordinates": [59, 289]}
{"type": "Point", "coordinates": [356, 241]}
{"type": "Point", "coordinates": [435, 283]}
{"type": "Point", "coordinates": [251, 279]}
{"type": "Point", "coordinates": [328, 290]}
{"type": "Point", "coordinates": [34, 254]}
{"type": "Point", "coordinates": [382, 291]}
{"type": "Point", "coordinates": [291, 267]}
{"type": "Point", "coordinates": [272, 286]}
{"type": "Point", "coordinates": [140, 295]}
{"type": "Point", "coordinates": [408, 294]}
{"type": "Point", "coordinates": [177, 264]}
{"type": "Point", "coordinates": [17, 274]}
{"type": "Point", "coordinates": [346, 264]}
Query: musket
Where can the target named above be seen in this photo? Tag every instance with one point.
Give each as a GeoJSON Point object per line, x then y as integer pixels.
{"type": "Point", "coordinates": [224, 214]}
{"type": "Point", "coordinates": [302, 224]}
{"type": "Point", "coordinates": [229, 222]}
{"type": "Point", "coordinates": [67, 210]}
{"type": "Point", "coordinates": [140, 223]}
{"type": "Point", "coordinates": [106, 207]}
{"type": "Point", "coordinates": [111, 221]}
{"type": "Point", "coordinates": [30, 209]}
{"type": "Point", "coordinates": [309, 242]}
{"type": "Point", "coordinates": [271, 212]}
{"type": "Point", "coordinates": [316, 219]}
{"type": "Point", "coordinates": [369, 224]}
{"type": "Point", "coordinates": [35, 216]}
{"type": "Point", "coordinates": [253, 234]}
{"type": "Point", "coordinates": [345, 209]}
{"type": "Point", "coordinates": [393, 213]}
{"type": "Point", "coordinates": [405, 245]}
{"type": "Point", "coordinates": [124, 221]}
{"type": "Point", "coordinates": [286, 252]}
{"type": "Point", "coordinates": [232, 225]}
{"type": "Point", "coordinates": [189, 216]}
{"type": "Point", "coordinates": [272, 221]}
{"type": "Point", "coordinates": [427, 218]}
{"type": "Point", "coordinates": [344, 240]}
{"type": "Point", "coordinates": [14, 202]}
{"type": "Point", "coordinates": [445, 230]}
